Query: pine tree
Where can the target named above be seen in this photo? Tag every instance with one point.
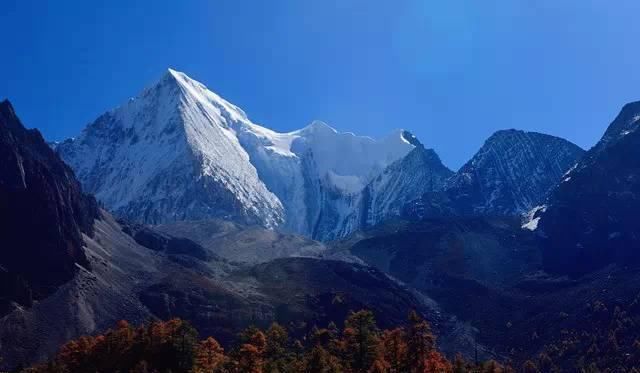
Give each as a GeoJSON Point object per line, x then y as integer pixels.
{"type": "Point", "coordinates": [209, 356]}
{"type": "Point", "coordinates": [320, 360]}
{"type": "Point", "coordinates": [393, 349]}
{"type": "Point", "coordinates": [276, 356]}
{"type": "Point", "coordinates": [360, 340]}
{"type": "Point", "coordinates": [333, 334]}
{"type": "Point", "coordinates": [420, 342]}
{"type": "Point", "coordinates": [436, 363]}
{"type": "Point", "coordinates": [251, 354]}
{"type": "Point", "coordinates": [250, 359]}
{"type": "Point", "coordinates": [185, 338]}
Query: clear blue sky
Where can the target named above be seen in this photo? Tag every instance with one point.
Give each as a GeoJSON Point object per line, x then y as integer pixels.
{"type": "Point", "coordinates": [451, 71]}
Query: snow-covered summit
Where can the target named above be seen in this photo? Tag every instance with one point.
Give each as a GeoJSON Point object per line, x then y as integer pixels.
{"type": "Point", "coordinates": [178, 151]}
{"type": "Point", "coordinates": [316, 126]}
{"type": "Point", "coordinates": [169, 154]}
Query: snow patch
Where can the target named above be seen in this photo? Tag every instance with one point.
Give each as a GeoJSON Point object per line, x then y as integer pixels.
{"type": "Point", "coordinates": [531, 220]}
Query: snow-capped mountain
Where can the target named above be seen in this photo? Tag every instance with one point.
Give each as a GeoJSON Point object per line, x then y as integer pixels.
{"type": "Point", "coordinates": [180, 152]}
{"type": "Point", "coordinates": [171, 154]}
{"type": "Point", "coordinates": [511, 173]}
{"type": "Point", "coordinates": [409, 178]}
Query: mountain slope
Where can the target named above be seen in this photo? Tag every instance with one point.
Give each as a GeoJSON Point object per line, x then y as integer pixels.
{"type": "Point", "coordinates": [169, 278]}
{"type": "Point", "coordinates": [511, 173]}
{"type": "Point", "coordinates": [407, 179]}
{"type": "Point", "coordinates": [243, 244]}
{"type": "Point", "coordinates": [170, 154]}
{"type": "Point", "coordinates": [590, 219]}
{"type": "Point", "coordinates": [43, 213]}
{"type": "Point", "coordinates": [180, 152]}
{"type": "Point", "coordinates": [420, 172]}
{"type": "Point", "coordinates": [467, 265]}
{"type": "Point", "coordinates": [487, 273]}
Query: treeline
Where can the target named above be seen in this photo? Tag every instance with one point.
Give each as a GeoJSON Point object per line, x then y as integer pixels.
{"type": "Point", "coordinates": [173, 346]}
{"type": "Point", "coordinates": [605, 339]}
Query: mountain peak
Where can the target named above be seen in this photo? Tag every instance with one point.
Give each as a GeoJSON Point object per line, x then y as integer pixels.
{"type": "Point", "coordinates": [511, 173]}
{"type": "Point", "coordinates": [407, 179]}
{"type": "Point", "coordinates": [410, 138]}
{"type": "Point", "coordinates": [5, 105]}
{"type": "Point", "coordinates": [318, 126]}
{"type": "Point", "coordinates": [170, 76]}
{"type": "Point", "coordinates": [506, 132]}
{"type": "Point", "coordinates": [590, 217]}
{"type": "Point", "coordinates": [510, 133]}
{"type": "Point", "coordinates": [178, 80]}
{"type": "Point", "coordinates": [188, 154]}
{"type": "Point", "coordinates": [37, 191]}
{"type": "Point", "coordinates": [514, 136]}
{"type": "Point", "coordinates": [627, 120]}
{"type": "Point", "coordinates": [7, 111]}
{"type": "Point", "coordinates": [176, 127]}
{"type": "Point", "coordinates": [181, 78]}
{"type": "Point", "coordinates": [200, 94]}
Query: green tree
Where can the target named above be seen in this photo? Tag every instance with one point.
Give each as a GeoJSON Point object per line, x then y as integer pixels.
{"type": "Point", "coordinates": [184, 340]}
{"type": "Point", "coordinates": [276, 356]}
{"type": "Point", "coordinates": [360, 340]}
{"type": "Point", "coordinates": [320, 360]}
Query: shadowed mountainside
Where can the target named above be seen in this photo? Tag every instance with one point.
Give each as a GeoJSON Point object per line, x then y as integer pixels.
{"type": "Point", "coordinates": [42, 215]}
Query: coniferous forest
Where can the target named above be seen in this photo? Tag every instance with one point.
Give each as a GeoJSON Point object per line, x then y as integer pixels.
{"type": "Point", "coordinates": [174, 346]}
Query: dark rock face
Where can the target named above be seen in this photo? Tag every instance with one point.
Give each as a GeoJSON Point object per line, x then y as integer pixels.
{"type": "Point", "coordinates": [411, 139]}
{"type": "Point", "coordinates": [591, 218]}
{"type": "Point", "coordinates": [42, 214]}
{"type": "Point", "coordinates": [512, 172]}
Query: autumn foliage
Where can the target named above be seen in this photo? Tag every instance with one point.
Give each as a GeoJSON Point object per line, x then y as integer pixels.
{"type": "Point", "coordinates": [173, 346]}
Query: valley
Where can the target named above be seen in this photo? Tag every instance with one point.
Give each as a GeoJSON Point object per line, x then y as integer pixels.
{"type": "Point", "coordinates": [184, 208]}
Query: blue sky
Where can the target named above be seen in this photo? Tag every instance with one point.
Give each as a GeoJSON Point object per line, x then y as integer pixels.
{"type": "Point", "coordinates": [450, 71]}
